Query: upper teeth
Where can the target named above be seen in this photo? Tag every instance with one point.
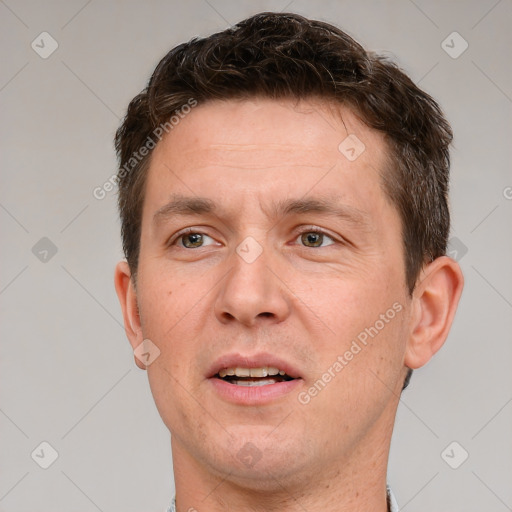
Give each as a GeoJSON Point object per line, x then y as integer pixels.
{"type": "Point", "coordinates": [251, 372]}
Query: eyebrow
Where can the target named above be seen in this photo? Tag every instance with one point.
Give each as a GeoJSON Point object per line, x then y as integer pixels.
{"type": "Point", "coordinates": [182, 205]}
{"type": "Point", "coordinates": [329, 206]}
{"type": "Point", "coordinates": [188, 206]}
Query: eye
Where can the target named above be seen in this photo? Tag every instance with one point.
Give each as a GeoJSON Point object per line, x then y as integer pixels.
{"type": "Point", "coordinates": [315, 238]}
{"type": "Point", "coordinates": [193, 240]}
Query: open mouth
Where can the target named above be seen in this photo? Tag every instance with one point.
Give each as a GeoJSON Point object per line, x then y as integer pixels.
{"type": "Point", "coordinates": [263, 376]}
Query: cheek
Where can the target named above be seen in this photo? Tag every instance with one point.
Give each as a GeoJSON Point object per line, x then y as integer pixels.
{"type": "Point", "coordinates": [360, 371]}
{"type": "Point", "coordinates": [165, 302]}
{"type": "Point", "coordinates": [347, 304]}
{"type": "Point", "coordinates": [169, 319]}
{"type": "Point", "coordinates": [172, 315]}
{"type": "Point", "coordinates": [361, 347]}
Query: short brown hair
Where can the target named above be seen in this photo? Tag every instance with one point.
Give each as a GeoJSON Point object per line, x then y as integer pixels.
{"type": "Point", "coordinates": [282, 55]}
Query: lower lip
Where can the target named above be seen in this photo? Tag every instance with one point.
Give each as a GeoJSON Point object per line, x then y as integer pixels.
{"type": "Point", "coordinates": [253, 395]}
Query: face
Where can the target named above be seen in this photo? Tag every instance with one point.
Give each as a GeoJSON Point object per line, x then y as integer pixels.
{"type": "Point", "coordinates": [271, 278]}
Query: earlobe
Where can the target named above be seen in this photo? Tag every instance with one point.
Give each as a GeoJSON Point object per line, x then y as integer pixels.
{"type": "Point", "coordinates": [127, 296]}
{"type": "Point", "coordinates": [435, 301]}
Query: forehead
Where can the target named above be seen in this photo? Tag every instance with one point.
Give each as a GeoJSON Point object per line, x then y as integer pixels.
{"type": "Point", "coordinates": [251, 148]}
{"type": "Point", "coordinates": [263, 131]}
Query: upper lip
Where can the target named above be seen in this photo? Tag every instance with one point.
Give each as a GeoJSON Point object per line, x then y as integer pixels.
{"type": "Point", "coordinates": [260, 360]}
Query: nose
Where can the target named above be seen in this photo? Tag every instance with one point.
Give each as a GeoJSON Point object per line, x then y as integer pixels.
{"type": "Point", "coordinates": [252, 292]}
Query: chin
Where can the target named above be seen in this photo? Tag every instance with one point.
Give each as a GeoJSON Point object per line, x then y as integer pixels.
{"type": "Point", "coordinates": [255, 460]}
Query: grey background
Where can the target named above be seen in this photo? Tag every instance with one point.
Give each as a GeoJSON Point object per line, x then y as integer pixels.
{"type": "Point", "coordinates": [67, 374]}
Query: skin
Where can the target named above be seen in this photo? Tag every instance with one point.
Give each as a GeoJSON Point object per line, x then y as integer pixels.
{"type": "Point", "coordinates": [304, 304]}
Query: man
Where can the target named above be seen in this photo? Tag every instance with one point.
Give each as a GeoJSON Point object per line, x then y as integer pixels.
{"type": "Point", "coordinates": [283, 197]}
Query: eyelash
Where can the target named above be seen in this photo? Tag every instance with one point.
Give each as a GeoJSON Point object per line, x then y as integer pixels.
{"type": "Point", "coordinates": [305, 229]}
{"type": "Point", "coordinates": [314, 229]}
{"type": "Point", "coordinates": [183, 233]}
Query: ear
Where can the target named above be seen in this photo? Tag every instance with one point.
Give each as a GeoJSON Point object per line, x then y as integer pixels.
{"type": "Point", "coordinates": [128, 298]}
{"type": "Point", "coordinates": [435, 300]}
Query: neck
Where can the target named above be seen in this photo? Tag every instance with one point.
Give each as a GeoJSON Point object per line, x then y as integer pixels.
{"type": "Point", "coordinates": [354, 482]}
